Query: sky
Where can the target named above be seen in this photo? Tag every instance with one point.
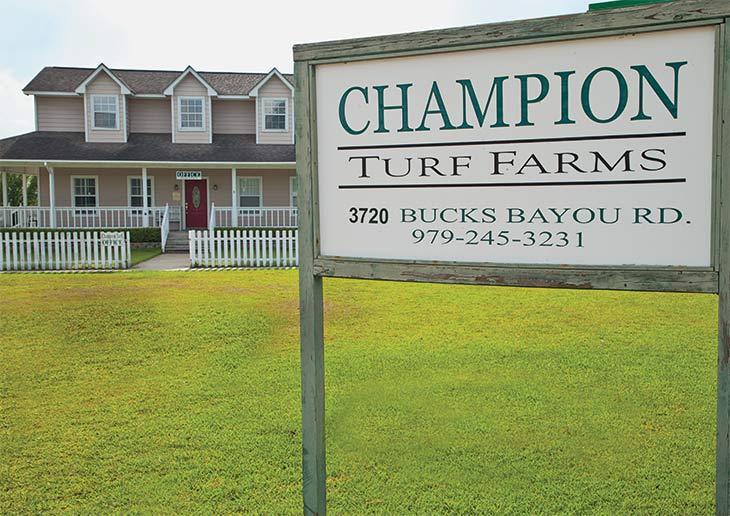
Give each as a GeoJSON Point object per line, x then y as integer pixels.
{"type": "Point", "coordinates": [214, 35]}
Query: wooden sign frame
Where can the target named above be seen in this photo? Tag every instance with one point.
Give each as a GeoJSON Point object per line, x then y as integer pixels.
{"type": "Point", "coordinates": [313, 266]}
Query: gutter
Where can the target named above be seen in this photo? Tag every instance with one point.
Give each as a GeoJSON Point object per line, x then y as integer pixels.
{"type": "Point", "coordinates": [149, 164]}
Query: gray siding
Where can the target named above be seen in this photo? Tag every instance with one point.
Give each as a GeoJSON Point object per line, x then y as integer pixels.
{"type": "Point", "coordinates": [275, 88]}
{"type": "Point", "coordinates": [60, 114]}
{"type": "Point", "coordinates": [104, 85]}
{"type": "Point", "coordinates": [190, 86]}
{"type": "Point", "coordinates": [234, 117]}
{"type": "Point", "coordinates": [150, 116]}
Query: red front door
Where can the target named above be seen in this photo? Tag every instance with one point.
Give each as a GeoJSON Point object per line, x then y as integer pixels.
{"type": "Point", "coordinates": [196, 204]}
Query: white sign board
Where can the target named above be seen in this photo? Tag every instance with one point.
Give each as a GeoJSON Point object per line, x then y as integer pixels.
{"type": "Point", "coordinates": [109, 238]}
{"type": "Point", "coordinates": [591, 152]}
{"type": "Point", "coordinates": [187, 174]}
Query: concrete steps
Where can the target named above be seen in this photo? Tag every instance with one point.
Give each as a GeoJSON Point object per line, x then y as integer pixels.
{"type": "Point", "coordinates": [177, 241]}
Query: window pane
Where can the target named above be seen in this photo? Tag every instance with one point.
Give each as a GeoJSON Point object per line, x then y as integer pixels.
{"type": "Point", "coordinates": [84, 192]}
{"type": "Point", "coordinates": [274, 107]}
{"type": "Point", "coordinates": [135, 191]}
{"type": "Point", "coordinates": [275, 114]}
{"type": "Point", "coordinates": [249, 190]}
{"type": "Point", "coordinates": [248, 201]}
{"type": "Point", "coordinates": [275, 122]}
{"type": "Point", "coordinates": [191, 113]}
{"type": "Point", "coordinates": [105, 111]}
{"type": "Point", "coordinates": [249, 186]}
{"type": "Point", "coordinates": [135, 186]}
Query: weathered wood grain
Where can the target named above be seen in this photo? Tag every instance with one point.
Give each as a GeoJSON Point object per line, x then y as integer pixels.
{"type": "Point", "coordinates": [521, 31]}
{"type": "Point", "coordinates": [722, 478]}
{"type": "Point", "coordinates": [310, 313]}
{"type": "Point", "coordinates": [612, 279]}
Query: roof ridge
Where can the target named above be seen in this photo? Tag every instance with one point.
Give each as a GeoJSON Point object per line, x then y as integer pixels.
{"type": "Point", "coordinates": [234, 73]}
{"type": "Point", "coordinates": [72, 67]}
{"type": "Point", "coordinates": [160, 70]}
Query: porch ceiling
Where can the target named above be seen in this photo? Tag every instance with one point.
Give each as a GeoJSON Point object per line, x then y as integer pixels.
{"type": "Point", "coordinates": [226, 149]}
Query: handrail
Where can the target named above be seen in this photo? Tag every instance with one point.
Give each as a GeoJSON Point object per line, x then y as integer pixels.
{"type": "Point", "coordinates": [165, 227]}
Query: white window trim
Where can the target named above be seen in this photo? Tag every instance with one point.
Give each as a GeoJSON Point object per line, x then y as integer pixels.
{"type": "Point", "coordinates": [261, 192]}
{"type": "Point", "coordinates": [291, 191]}
{"type": "Point", "coordinates": [286, 115]}
{"type": "Point", "coordinates": [179, 114]}
{"type": "Point", "coordinates": [93, 119]}
{"type": "Point", "coordinates": [73, 191]}
{"type": "Point", "coordinates": [151, 193]}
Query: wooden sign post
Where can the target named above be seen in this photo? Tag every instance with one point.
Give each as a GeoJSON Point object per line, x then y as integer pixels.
{"type": "Point", "coordinates": [585, 151]}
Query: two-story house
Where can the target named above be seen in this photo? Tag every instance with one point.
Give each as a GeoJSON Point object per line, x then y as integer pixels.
{"type": "Point", "coordinates": [122, 148]}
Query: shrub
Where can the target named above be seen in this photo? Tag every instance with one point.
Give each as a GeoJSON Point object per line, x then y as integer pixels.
{"type": "Point", "coordinates": [136, 235]}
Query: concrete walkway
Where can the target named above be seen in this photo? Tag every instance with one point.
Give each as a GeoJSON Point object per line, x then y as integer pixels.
{"type": "Point", "coordinates": [165, 262]}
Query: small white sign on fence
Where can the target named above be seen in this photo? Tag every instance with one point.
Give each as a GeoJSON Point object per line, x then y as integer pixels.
{"type": "Point", "coordinates": [110, 238]}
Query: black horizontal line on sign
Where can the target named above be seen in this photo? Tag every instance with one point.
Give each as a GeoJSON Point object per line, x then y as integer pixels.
{"type": "Point", "coordinates": [523, 140]}
{"type": "Point", "coordinates": [538, 183]}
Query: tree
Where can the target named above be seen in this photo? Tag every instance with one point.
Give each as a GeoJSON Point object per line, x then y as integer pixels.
{"type": "Point", "coordinates": [15, 190]}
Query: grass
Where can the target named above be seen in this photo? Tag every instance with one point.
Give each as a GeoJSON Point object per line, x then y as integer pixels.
{"type": "Point", "coordinates": [179, 393]}
{"type": "Point", "coordinates": [144, 254]}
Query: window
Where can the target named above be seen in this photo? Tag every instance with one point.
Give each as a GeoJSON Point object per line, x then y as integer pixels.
{"type": "Point", "coordinates": [275, 115]}
{"type": "Point", "coordinates": [293, 191]}
{"type": "Point", "coordinates": [84, 192]}
{"type": "Point", "coordinates": [192, 115]}
{"type": "Point", "coordinates": [249, 191]}
{"type": "Point", "coordinates": [105, 110]}
{"type": "Point", "coordinates": [135, 191]}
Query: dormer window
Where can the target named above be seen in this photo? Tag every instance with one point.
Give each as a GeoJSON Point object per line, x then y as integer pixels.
{"type": "Point", "coordinates": [275, 114]}
{"type": "Point", "coordinates": [192, 114]}
{"type": "Point", "coordinates": [105, 111]}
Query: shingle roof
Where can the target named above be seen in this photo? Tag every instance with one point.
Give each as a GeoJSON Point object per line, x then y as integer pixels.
{"type": "Point", "coordinates": [228, 148]}
{"type": "Point", "coordinates": [66, 80]}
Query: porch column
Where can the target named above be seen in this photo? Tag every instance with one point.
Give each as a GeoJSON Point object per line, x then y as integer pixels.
{"type": "Point", "coordinates": [52, 195]}
{"type": "Point", "coordinates": [145, 207]}
{"type": "Point", "coordinates": [5, 190]}
{"type": "Point", "coordinates": [234, 199]}
{"type": "Point", "coordinates": [39, 217]}
{"type": "Point", "coordinates": [25, 190]}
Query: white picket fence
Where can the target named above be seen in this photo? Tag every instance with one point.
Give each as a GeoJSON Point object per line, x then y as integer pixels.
{"type": "Point", "coordinates": [244, 248]}
{"type": "Point", "coordinates": [21, 251]}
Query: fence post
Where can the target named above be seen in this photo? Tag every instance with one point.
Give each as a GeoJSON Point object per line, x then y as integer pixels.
{"type": "Point", "coordinates": [129, 251]}
{"type": "Point", "coordinates": [191, 247]}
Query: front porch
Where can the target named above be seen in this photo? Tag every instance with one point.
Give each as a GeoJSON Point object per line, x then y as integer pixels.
{"type": "Point", "coordinates": [130, 217]}
{"type": "Point", "coordinates": [176, 198]}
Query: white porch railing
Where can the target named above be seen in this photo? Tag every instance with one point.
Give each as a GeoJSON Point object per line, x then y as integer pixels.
{"type": "Point", "coordinates": [165, 227]}
{"type": "Point", "coordinates": [107, 217]}
{"type": "Point", "coordinates": [80, 218]}
{"type": "Point", "coordinates": [279, 217]}
{"type": "Point", "coordinates": [25, 217]}
{"type": "Point", "coordinates": [124, 217]}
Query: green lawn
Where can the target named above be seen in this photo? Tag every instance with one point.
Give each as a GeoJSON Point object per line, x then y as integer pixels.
{"type": "Point", "coordinates": [141, 255]}
{"type": "Point", "coordinates": [179, 393]}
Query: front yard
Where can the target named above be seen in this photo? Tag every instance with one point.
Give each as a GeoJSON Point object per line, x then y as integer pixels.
{"type": "Point", "coordinates": [179, 393]}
